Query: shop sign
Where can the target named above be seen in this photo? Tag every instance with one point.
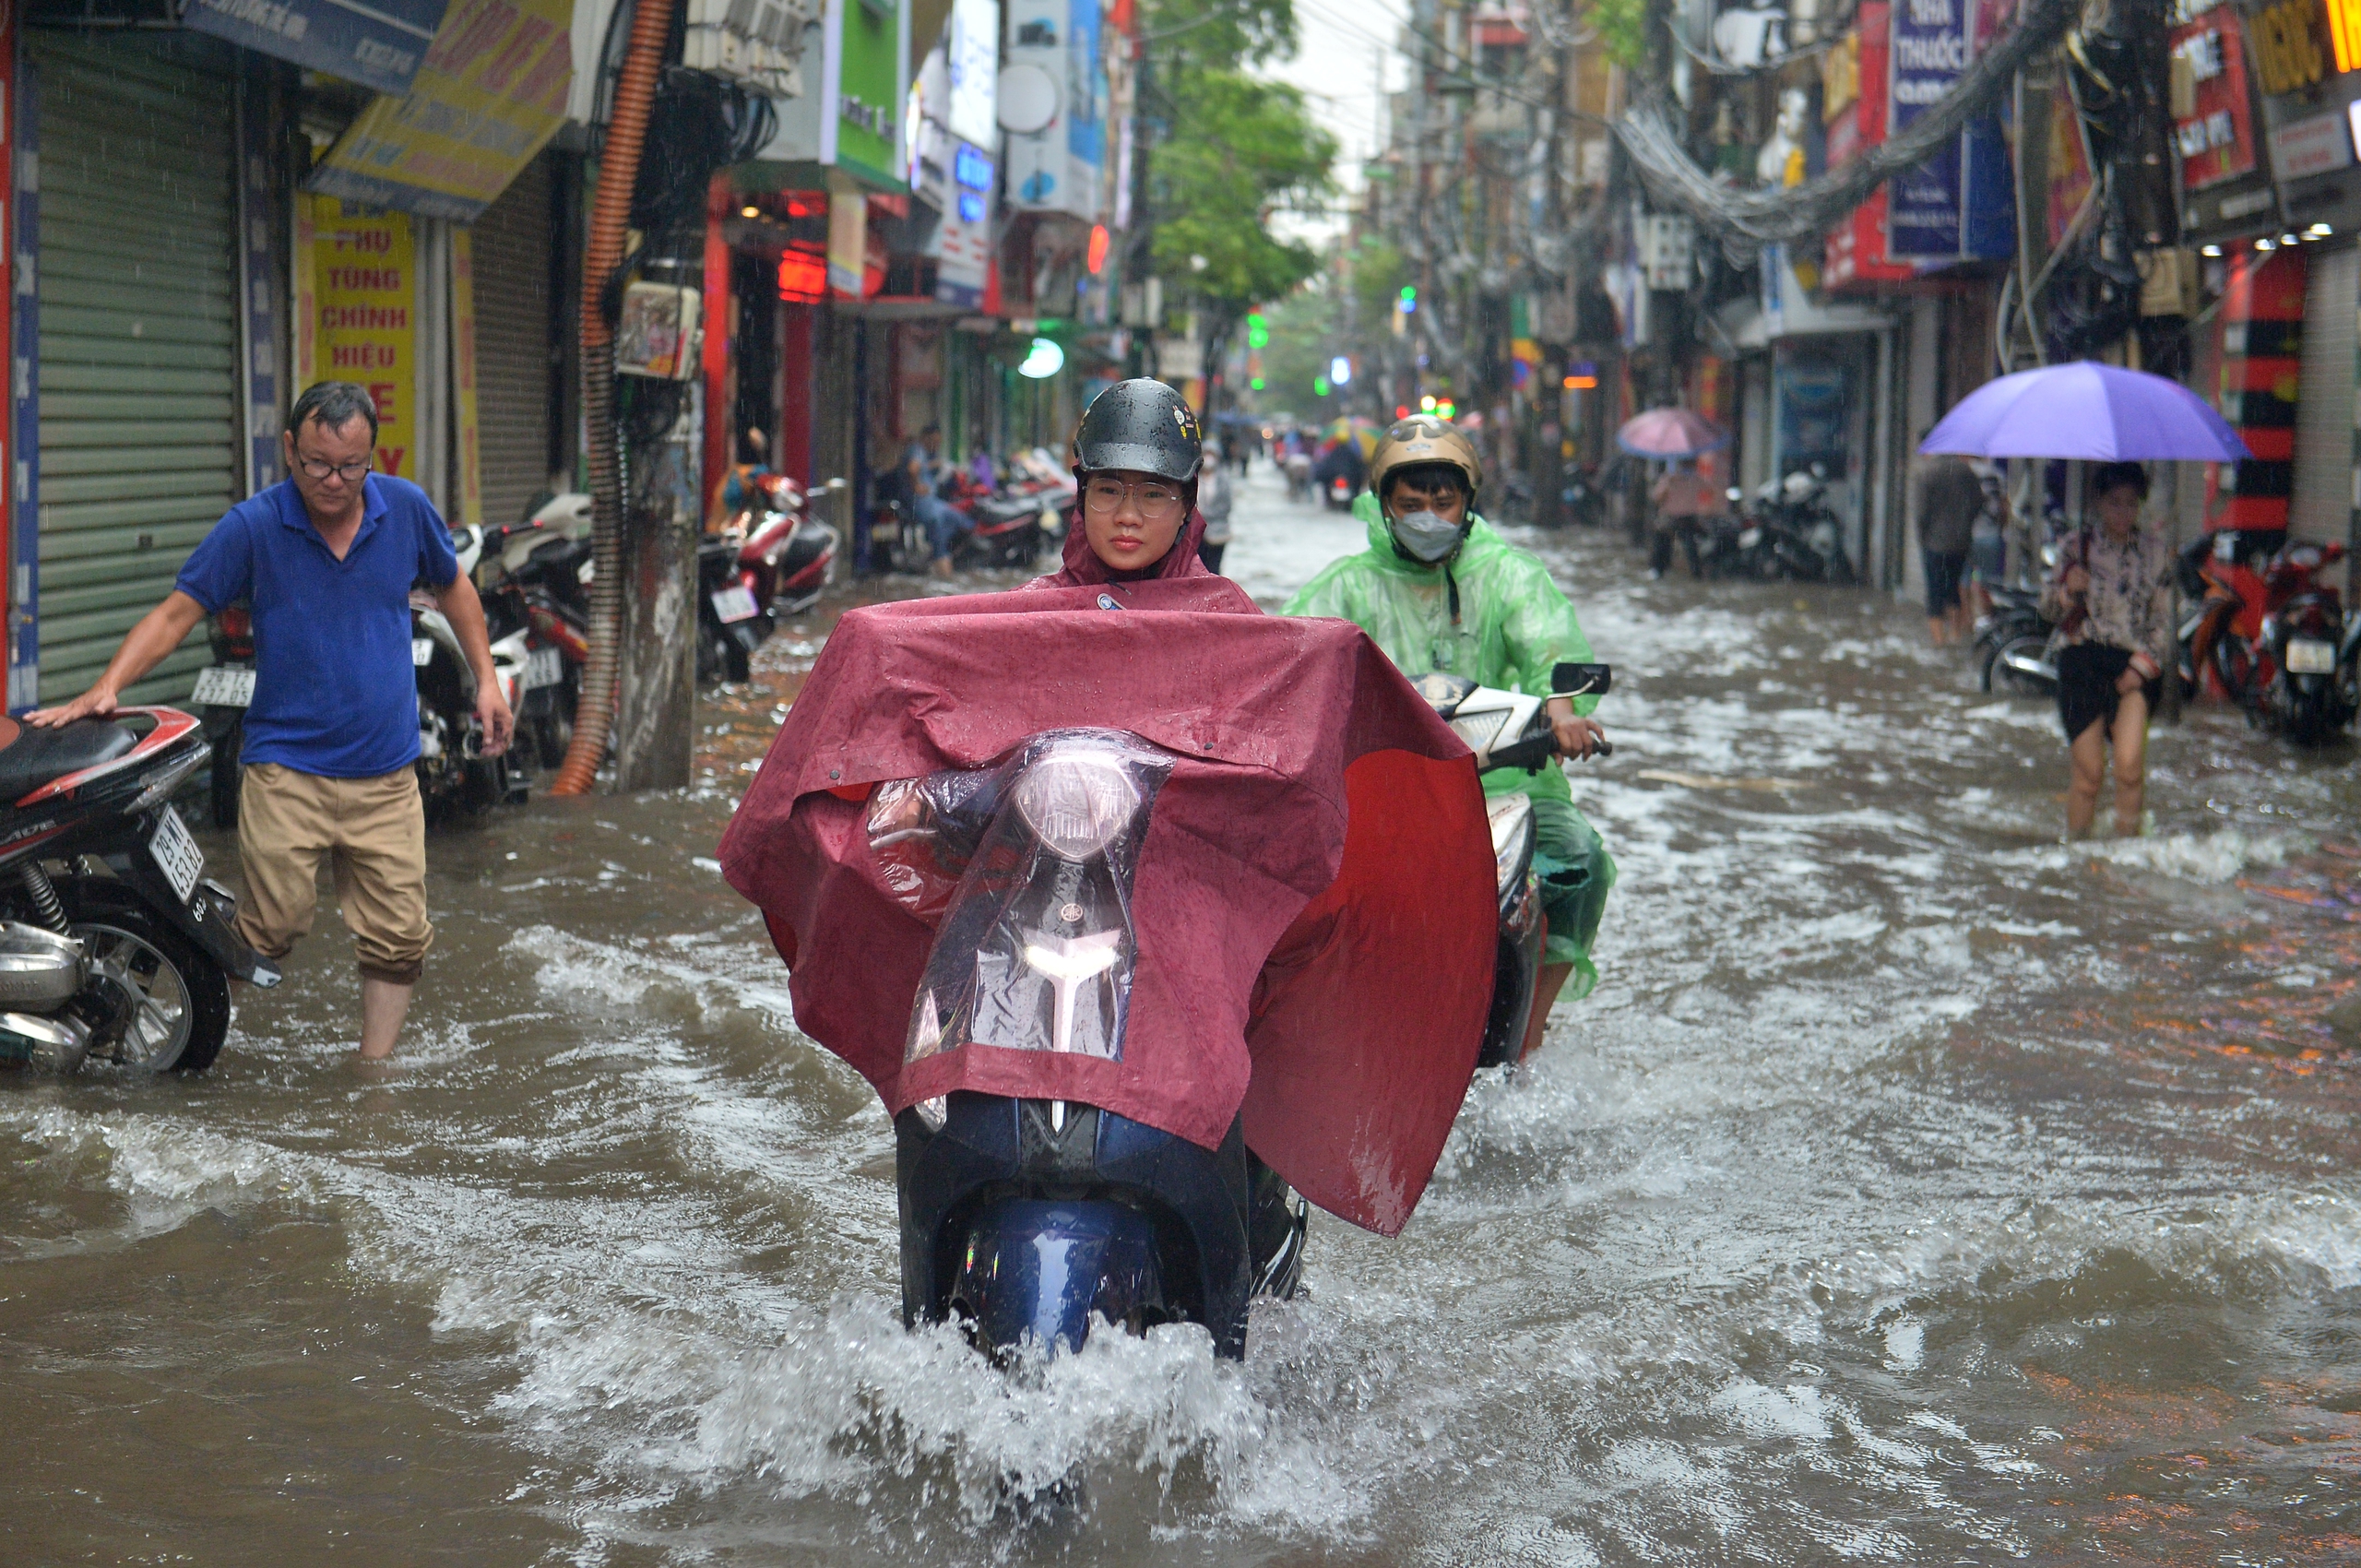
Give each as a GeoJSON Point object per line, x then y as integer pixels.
{"type": "Point", "coordinates": [379, 45]}
{"type": "Point", "coordinates": [873, 44]}
{"type": "Point", "coordinates": [359, 323]}
{"type": "Point", "coordinates": [2319, 145]}
{"type": "Point", "coordinates": [1959, 204]}
{"type": "Point", "coordinates": [2216, 136]}
{"type": "Point", "coordinates": [1058, 167]}
{"type": "Point", "coordinates": [1856, 251]}
{"type": "Point", "coordinates": [964, 238]}
{"type": "Point", "coordinates": [973, 48]}
{"type": "Point", "coordinates": [2288, 53]}
{"type": "Point", "coordinates": [489, 95]}
{"type": "Point", "coordinates": [2344, 34]}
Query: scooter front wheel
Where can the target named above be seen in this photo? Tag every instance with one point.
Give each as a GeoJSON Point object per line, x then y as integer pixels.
{"type": "Point", "coordinates": [1034, 1273]}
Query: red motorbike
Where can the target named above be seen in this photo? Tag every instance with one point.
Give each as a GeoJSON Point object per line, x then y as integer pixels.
{"type": "Point", "coordinates": [2269, 633]}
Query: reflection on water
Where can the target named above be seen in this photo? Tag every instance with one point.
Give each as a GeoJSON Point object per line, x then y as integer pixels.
{"type": "Point", "coordinates": [1916, 1188]}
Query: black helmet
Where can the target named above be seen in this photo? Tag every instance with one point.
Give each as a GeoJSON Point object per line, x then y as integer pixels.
{"type": "Point", "coordinates": [1143, 426]}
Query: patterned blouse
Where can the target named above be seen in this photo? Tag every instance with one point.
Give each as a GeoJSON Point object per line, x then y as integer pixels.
{"type": "Point", "coordinates": [2130, 604]}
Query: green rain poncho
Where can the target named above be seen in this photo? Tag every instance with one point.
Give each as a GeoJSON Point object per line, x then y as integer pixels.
{"type": "Point", "coordinates": [1515, 627]}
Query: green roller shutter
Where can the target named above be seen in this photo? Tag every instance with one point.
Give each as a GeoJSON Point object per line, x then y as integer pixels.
{"type": "Point", "coordinates": [512, 272]}
{"type": "Point", "coordinates": [138, 380]}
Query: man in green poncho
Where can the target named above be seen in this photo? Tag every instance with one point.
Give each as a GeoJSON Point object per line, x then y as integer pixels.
{"type": "Point", "coordinates": [1439, 589]}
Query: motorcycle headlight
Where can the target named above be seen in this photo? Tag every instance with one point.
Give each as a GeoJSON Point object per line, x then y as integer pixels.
{"type": "Point", "coordinates": [1077, 804]}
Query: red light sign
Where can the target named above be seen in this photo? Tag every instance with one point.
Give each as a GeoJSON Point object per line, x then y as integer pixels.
{"type": "Point", "coordinates": [1098, 248]}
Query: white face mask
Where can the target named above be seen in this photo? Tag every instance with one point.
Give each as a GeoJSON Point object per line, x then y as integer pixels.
{"type": "Point", "coordinates": [1426, 537]}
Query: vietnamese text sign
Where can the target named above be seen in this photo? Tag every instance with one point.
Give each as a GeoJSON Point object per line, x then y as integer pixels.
{"type": "Point", "coordinates": [378, 44]}
{"type": "Point", "coordinates": [2217, 138]}
{"type": "Point", "coordinates": [364, 286]}
{"type": "Point", "coordinates": [489, 94]}
{"type": "Point", "coordinates": [1931, 47]}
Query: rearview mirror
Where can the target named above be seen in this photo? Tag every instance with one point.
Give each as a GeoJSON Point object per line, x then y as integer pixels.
{"type": "Point", "coordinates": [1581, 680]}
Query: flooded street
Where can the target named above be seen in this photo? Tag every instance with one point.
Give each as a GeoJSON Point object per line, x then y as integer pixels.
{"type": "Point", "coordinates": [1914, 1189]}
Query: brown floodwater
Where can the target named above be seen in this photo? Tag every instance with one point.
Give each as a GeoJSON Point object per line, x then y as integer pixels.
{"type": "Point", "coordinates": [1916, 1189]}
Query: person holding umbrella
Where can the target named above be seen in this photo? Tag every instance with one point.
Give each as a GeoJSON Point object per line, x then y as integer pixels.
{"type": "Point", "coordinates": [2110, 596]}
{"type": "Point", "coordinates": [1686, 489]}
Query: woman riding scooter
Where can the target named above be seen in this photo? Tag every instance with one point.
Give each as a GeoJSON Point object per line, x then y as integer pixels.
{"type": "Point", "coordinates": [1437, 590]}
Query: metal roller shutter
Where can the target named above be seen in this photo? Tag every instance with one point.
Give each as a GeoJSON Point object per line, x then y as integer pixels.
{"type": "Point", "coordinates": [138, 380]}
{"type": "Point", "coordinates": [512, 275]}
{"type": "Point", "coordinates": [2322, 508]}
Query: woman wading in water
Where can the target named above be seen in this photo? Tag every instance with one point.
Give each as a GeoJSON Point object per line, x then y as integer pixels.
{"type": "Point", "coordinates": [2111, 600]}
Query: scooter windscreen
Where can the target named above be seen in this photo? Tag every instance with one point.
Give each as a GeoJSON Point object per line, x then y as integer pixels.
{"type": "Point", "coordinates": [1029, 866]}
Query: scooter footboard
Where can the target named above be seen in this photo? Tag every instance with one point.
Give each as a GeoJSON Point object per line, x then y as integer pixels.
{"type": "Point", "coordinates": [1033, 1270]}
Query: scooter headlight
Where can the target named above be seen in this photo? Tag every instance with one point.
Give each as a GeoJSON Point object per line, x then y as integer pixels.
{"type": "Point", "coordinates": [1077, 804]}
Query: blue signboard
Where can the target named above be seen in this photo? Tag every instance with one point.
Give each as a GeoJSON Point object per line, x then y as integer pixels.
{"type": "Point", "coordinates": [1959, 204]}
{"type": "Point", "coordinates": [378, 44]}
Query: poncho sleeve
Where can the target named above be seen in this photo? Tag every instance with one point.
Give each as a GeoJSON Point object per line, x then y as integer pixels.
{"type": "Point", "coordinates": [1540, 631]}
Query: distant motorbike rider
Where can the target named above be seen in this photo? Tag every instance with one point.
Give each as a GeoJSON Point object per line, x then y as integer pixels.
{"type": "Point", "coordinates": [1439, 589]}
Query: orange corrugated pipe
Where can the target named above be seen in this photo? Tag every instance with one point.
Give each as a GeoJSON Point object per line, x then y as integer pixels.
{"type": "Point", "coordinates": [618, 172]}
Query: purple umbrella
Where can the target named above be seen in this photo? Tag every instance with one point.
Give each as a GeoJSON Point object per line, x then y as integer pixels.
{"type": "Point", "coordinates": [2097, 413]}
{"type": "Point", "coordinates": [1668, 433]}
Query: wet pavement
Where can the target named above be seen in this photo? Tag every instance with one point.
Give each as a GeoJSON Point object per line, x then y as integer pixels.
{"type": "Point", "coordinates": [1914, 1189]}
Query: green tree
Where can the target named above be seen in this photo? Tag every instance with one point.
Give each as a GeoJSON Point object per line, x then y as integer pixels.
{"type": "Point", "coordinates": [1228, 153]}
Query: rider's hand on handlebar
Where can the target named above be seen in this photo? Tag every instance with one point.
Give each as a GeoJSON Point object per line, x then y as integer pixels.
{"type": "Point", "coordinates": [98, 700]}
{"type": "Point", "coordinates": [1576, 737]}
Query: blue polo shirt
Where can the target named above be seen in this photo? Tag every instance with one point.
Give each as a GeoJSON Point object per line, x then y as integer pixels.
{"type": "Point", "coordinates": [335, 692]}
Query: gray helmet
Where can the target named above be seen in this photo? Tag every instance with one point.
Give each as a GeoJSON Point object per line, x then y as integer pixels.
{"type": "Point", "coordinates": [1143, 426]}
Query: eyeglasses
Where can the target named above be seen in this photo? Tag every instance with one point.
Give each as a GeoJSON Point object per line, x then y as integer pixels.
{"type": "Point", "coordinates": [1156, 501]}
{"type": "Point", "coordinates": [349, 472]}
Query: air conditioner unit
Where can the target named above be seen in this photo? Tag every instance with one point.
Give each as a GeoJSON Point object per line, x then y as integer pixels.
{"type": "Point", "coordinates": [759, 43]}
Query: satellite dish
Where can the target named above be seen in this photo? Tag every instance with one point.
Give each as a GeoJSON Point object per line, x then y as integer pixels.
{"type": "Point", "coordinates": [1028, 99]}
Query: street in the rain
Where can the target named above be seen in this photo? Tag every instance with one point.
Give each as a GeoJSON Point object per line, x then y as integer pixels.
{"type": "Point", "coordinates": [1915, 1188]}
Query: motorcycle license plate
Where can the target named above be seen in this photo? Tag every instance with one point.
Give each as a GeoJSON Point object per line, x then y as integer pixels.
{"type": "Point", "coordinates": [543, 666]}
{"type": "Point", "coordinates": [1749, 539]}
{"type": "Point", "coordinates": [176, 853]}
{"type": "Point", "coordinates": [224, 685]}
{"type": "Point", "coordinates": [2308, 656]}
{"type": "Point", "coordinates": [421, 652]}
{"type": "Point", "coordinates": [735, 604]}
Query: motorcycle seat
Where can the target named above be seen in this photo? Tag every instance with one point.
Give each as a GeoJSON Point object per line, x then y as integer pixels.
{"type": "Point", "coordinates": [31, 757]}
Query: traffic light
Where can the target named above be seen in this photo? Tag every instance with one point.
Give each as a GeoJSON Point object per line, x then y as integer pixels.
{"type": "Point", "coordinates": [1258, 332]}
{"type": "Point", "coordinates": [1409, 299]}
{"type": "Point", "coordinates": [1320, 386]}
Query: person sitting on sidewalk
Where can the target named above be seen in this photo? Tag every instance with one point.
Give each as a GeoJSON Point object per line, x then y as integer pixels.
{"type": "Point", "coordinates": [923, 468]}
{"type": "Point", "coordinates": [327, 558]}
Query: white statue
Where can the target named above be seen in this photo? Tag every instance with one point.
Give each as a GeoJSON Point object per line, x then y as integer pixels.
{"type": "Point", "coordinates": [1781, 162]}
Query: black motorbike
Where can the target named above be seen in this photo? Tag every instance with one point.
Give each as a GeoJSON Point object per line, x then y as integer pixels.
{"type": "Point", "coordinates": [732, 622]}
{"type": "Point", "coordinates": [1021, 1218]}
{"type": "Point", "coordinates": [1005, 527]}
{"type": "Point", "coordinates": [1791, 534]}
{"type": "Point", "coordinates": [1511, 729]}
{"type": "Point", "coordinates": [113, 941]}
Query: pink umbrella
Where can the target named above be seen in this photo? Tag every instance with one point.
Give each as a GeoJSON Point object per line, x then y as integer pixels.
{"type": "Point", "coordinates": [1670, 434]}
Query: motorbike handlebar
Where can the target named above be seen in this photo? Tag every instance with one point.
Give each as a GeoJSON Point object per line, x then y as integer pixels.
{"type": "Point", "coordinates": [1532, 751]}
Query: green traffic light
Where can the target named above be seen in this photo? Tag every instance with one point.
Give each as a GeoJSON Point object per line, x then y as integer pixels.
{"type": "Point", "coordinates": [1255, 384]}
{"type": "Point", "coordinates": [1409, 292]}
{"type": "Point", "coordinates": [1320, 386]}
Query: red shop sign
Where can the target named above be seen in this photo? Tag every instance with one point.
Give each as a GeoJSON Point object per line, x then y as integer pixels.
{"type": "Point", "coordinates": [2216, 141]}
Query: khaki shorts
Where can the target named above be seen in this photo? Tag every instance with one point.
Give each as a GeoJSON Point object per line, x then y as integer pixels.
{"type": "Point", "coordinates": [372, 831]}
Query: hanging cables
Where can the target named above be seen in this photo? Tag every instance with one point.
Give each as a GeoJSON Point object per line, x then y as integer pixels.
{"type": "Point", "coordinates": [1750, 220]}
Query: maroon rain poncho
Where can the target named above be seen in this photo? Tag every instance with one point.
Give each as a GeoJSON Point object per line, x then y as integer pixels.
{"type": "Point", "coordinates": [1315, 899]}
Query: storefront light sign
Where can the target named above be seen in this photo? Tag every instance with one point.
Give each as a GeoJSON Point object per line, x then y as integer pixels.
{"type": "Point", "coordinates": [971, 167]}
{"type": "Point", "coordinates": [2344, 34]}
{"type": "Point", "coordinates": [973, 51]}
{"type": "Point", "coordinates": [2288, 54]}
{"type": "Point", "coordinates": [1044, 360]}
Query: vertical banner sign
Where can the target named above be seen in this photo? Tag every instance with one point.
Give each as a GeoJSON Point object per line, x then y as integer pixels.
{"type": "Point", "coordinates": [1931, 47]}
{"type": "Point", "coordinates": [364, 275]}
{"type": "Point", "coordinates": [258, 293]}
{"type": "Point", "coordinates": [463, 375]}
{"type": "Point", "coordinates": [19, 233]}
{"type": "Point", "coordinates": [2216, 138]}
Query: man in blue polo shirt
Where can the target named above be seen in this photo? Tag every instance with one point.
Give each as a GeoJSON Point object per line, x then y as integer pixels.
{"type": "Point", "coordinates": [327, 558]}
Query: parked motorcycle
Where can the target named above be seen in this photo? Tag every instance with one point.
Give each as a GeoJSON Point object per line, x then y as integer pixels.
{"type": "Point", "coordinates": [2012, 644]}
{"type": "Point", "coordinates": [534, 580]}
{"type": "Point", "coordinates": [1581, 497]}
{"type": "Point", "coordinates": [1790, 533]}
{"type": "Point", "coordinates": [1008, 527]}
{"type": "Point", "coordinates": [732, 623]}
{"type": "Point", "coordinates": [113, 941]}
{"type": "Point", "coordinates": [224, 690]}
{"type": "Point", "coordinates": [1509, 729]}
{"type": "Point", "coordinates": [2269, 633]}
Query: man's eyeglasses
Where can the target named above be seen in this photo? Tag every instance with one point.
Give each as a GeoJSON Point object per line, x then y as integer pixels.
{"type": "Point", "coordinates": [349, 472]}
{"type": "Point", "coordinates": [1156, 501]}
